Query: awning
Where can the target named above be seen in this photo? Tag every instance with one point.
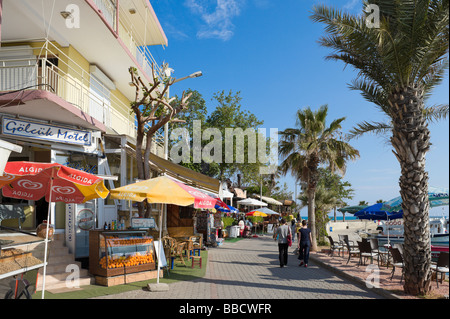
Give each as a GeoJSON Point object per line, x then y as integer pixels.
{"type": "Point", "coordinates": [185, 175]}
{"type": "Point", "coordinates": [251, 202]}
{"type": "Point", "coordinates": [287, 202]}
{"type": "Point", "coordinates": [269, 200]}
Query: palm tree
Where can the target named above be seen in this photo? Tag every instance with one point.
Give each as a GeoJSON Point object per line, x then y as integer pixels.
{"type": "Point", "coordinates": [432, 114]}
{"type": "Point", "coordinates": [398, 65]}
{"type": "Point", "coordinates": [307, 146]}
{"type": "Point", "coordinates": [325, 200]}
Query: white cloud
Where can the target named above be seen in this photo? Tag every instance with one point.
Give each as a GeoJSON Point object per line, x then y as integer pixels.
{"type": "Point", "coordinates": [173, 31]}
{"type": "Point", "coordinates": [217, 21]}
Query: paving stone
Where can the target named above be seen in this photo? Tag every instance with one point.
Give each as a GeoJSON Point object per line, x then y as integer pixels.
{"type": "Point", "coordinates": [249, 269]}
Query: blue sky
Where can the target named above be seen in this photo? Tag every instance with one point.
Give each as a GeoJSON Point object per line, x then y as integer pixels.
{"type": "Point", "coordinates": [268, 50]}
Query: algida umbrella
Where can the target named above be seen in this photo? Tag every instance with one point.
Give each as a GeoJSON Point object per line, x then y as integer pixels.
{"type": "Point", "coordinates": [256, 213]}
{"type": "Point", "coordinates": [164, 190]}
{"type": "Point", "coordinates": [55, 182]}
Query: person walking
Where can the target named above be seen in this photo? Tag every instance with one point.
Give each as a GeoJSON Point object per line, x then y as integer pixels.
{"type": "Point", "coordinates": [293, 223]}
{"type": "Point", "coordinates": [304, 244]}
{"type": "Point", "coordinates": [281, 235]}
{"type": "Point", "coordinates": [297, 230]}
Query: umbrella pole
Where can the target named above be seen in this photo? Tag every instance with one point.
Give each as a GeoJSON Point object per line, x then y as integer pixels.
{"type": "Point", "coordinates": [159, 286]}
{"type": "Point", "coordinates": [46, 236]}
{"type": "Point", "coordinates": [160, 242]}
{"type": "Point", "coordinates": [389, 244]}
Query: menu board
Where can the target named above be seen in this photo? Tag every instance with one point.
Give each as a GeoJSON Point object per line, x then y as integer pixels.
{"type": "Point", "coordinates": [138, 223]}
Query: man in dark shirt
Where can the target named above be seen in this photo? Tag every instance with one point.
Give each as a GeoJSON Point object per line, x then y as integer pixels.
{"type": "Point", "coordinates": [304, 244]}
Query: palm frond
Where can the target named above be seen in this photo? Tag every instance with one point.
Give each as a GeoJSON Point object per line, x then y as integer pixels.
{"type": "Point", "coordinates": [410, 46]}
{"type": "Point", "coordinates": [377, 128]}
{"type": "Point", "coordinates": [436, 113]}
{"type": "Point", "coordinates": [372, 92]}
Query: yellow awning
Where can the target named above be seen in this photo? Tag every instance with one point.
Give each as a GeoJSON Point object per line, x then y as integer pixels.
{"type": "Point", "coordinates": [185, 175]}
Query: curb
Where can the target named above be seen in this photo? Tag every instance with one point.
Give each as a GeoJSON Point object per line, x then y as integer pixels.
{"type": "Point", "coordinates": [382, 292]}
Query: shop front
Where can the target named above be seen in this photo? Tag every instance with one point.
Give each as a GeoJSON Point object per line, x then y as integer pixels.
{"type": "Point", "coordinates": [47, 142]}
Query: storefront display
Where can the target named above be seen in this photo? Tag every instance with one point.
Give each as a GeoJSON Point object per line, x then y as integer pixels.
{"type": "Point", "coordinates": [113, 253]}
{"type": "Point", "coordinates": [21, 257]}
{"type": "Point", "coordinates": [208, 223]}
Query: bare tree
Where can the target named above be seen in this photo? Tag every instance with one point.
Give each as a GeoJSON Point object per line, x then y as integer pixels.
{"type": "Point", "coordinates": [153, 109]}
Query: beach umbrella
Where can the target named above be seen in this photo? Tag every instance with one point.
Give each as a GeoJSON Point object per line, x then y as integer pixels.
{"type": "Point", "coordinates": [256, 213]}
{"type": "Point", "coordinates": [230, 209]}
{"type": "Point", "coordinates": [164, 190]}
{"type": "Point", "coordinates": [267, 211]}
{"type": "Point", "coordinates": [251, 202]}
{"type": "Point", "coordinates": [436, 196]}
{"type": "Point", "coordinates": [221, 204]}
{"type": "Point", "coordinates": [377, 212]}
{"type": "Point", "coordinates": [54, 182]}
{"type": "Point", "coordinates": [352, 209]}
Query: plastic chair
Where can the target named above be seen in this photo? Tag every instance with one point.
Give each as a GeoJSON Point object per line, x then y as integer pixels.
{"type": "Point", "coordinates": [441, 266]}
{"type": "Point", "coordinates": [365, 251]}
{"type": "Point", "coordinates": [381, 253]}
{"type": "Point", "coordinates": [352, 250]}
{"type": "Point", "coordinates": [397, 261]}
{"type": "Point", "coordinates": [334, 246]}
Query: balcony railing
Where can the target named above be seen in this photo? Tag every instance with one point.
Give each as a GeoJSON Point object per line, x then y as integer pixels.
{"type": "Point", "coordinates": [135, 42]}
{"type": "Point", "coordinates": [108, 9]}
{"type": "Point", "coordinates": [50, 69]}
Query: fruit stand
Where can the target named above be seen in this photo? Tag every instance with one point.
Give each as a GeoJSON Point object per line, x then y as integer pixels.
{"type": "Point", "coordinates": [118, 257]}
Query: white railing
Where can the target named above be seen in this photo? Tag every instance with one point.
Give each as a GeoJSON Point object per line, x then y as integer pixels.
{"type": "Point", "coordinates": [136, 43]}
{"type": "Point", "coordinates": [108, 9]}
{"type": "Point", "coordinates": [69, 81]}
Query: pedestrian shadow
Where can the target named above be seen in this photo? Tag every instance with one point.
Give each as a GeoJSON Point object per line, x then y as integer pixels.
{"type": "Point", "coordinates": [273, 290]}
{"type": "Point", "coordinates": [293, 271]}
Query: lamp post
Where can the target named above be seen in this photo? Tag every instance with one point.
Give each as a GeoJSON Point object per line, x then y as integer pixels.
{"type": "Point", "coordinates": [167, 71]}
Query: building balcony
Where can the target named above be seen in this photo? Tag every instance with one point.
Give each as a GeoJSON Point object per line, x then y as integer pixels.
{"type": "Point", "coordinates": [112, 34]}
{"type": "Point", "coordinates": [46, 83]}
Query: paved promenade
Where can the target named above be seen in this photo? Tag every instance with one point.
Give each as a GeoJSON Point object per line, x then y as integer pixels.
{"type": "Point", "coordinates": [249, 269]}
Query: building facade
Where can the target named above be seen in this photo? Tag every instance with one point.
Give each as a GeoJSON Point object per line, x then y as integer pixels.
{"type": "Point", "coordinates": [65, 94]}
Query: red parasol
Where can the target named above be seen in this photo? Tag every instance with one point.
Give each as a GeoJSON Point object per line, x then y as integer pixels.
{"type": "Point", "coordinates": [55, 182]}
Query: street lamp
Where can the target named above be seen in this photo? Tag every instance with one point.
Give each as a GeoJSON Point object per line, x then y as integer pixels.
{"type": "Point", "coordinates": [193, 75]}
{"type": "Point", "coordinates": [167, 72]}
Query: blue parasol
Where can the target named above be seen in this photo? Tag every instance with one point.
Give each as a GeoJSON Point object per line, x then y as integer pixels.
{"type": "Point", "coordinates": [225, 210]}
{"type": "Point", "coordinates": [377, 212]}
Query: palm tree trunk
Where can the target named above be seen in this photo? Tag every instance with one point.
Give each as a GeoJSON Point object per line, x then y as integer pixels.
{"type": "Point", "coordinates": [312, 217]}
{"type": "Point", "coordinates": [411, 142]}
